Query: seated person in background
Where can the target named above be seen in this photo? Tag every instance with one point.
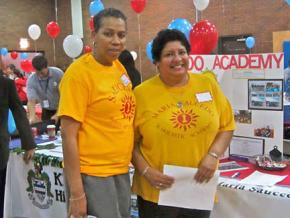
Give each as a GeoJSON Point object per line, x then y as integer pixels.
{"type": "Point", "coordinates": [128, 62]}
{"type": "Point", "coordinates": [20, 82]}
{"type": "Point", "coordinates": [9, 100]}
{"type": "Point", "coordinates": [42, 87]}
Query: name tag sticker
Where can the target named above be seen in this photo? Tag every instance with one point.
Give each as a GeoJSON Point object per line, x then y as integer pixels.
{"type": "Point", "coordinates": [126, 81]}
{"type": "Point", "coordinates": [203, 97]}
{"type": "Point", "coordinates": [45, 104]}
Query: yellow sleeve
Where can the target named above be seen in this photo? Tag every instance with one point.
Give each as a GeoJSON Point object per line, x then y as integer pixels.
{"type": "Point", "coordinates": [74, 95]}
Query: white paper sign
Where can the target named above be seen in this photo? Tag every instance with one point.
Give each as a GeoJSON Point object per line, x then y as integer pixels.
{"type": "Point", "coordinates": [186, 192]}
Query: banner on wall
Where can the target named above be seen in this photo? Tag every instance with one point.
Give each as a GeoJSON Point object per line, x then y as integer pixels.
{"type": "Point", "coordinates": [253, 83]}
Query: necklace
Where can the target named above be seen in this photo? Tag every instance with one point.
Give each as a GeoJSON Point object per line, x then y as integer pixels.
{"type": "Point", "coordinates": [179, 104]}
{"type": "Point", "coordinates": [177, 96]}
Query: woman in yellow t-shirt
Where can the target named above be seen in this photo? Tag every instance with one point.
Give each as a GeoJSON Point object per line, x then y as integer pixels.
{"type": "Point", "coordinates": [97, 108]}
{"type": "Point", "coordinates": [182, 119]}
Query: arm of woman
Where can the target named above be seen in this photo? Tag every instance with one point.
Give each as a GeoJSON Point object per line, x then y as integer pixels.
{"type": "Point", "coordinates": [208, 164]}
{"type": "Point", "coordinates": [153, 176]}
{"type": "Point", "coordinates": [77, 202]}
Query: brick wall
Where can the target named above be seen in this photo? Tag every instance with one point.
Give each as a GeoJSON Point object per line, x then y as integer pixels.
{"type": "Point", "coordinates": [231, 17]}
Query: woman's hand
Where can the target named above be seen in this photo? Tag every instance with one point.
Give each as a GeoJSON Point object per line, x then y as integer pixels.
{"type": "Point", "coordinates": [206, 169]}
{"type": "Point", "coordinates": [158, 179]}
{"type": "Point", "coordinates": [28, 155]}
{"type": "Point", "coordinates": [77, 208]}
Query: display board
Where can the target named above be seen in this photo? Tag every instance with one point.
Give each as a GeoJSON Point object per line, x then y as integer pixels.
{"type": "Point", "coordinates": [253, 83]}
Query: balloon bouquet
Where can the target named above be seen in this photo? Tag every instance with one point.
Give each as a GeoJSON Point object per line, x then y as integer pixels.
{"type": "Point", "coordinates": [95, 7]}
{"type": "Point", "coordinates": [25, 64]}
{"type": "Point", "coordinates": [203, 35]}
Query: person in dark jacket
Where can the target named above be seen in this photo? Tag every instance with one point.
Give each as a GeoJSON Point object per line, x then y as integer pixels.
{"type": "Point", "coordinates": [128, 62]}
{"type": "Point", "coordinates": [9, 100]}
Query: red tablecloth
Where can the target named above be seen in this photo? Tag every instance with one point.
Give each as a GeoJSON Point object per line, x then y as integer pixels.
{"type": "Point", "coordinates": [253, 167]}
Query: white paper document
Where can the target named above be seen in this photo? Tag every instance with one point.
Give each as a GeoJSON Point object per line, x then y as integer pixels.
{"type": "Point", "coordinates": [186, 192]}
{"type": "Point", "coordinates": [258, 178]}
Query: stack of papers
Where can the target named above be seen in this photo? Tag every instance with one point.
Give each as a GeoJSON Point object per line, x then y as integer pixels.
{"type": "Point", "coordinates": [264, 179]}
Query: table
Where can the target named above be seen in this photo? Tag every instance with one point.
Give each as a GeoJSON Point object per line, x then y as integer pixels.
{"type": "Point", "coordinates": [238, 200]}
{"type": "Point", "coordinates": [36, 190]}
{"type": "Point", "coordinates": [48, 198]}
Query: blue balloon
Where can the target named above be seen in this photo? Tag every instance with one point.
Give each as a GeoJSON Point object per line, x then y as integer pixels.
{"type": "Point", "coordinates": [149, 50]}
{"type": "Point", "coordinates": [288, 2]}
{"type": "Point", "coordinates": [11, 123]}
{"type": "Point", "coordinates": [23, 56]}
{"type": "Point", "coordinates": [95, 7]}
{"type": "Point", "coordinates": [4, 51]}
{"type": "Point", "coordinates": [182, 25]}
{"type": "Point", "coordinates": [250, 42]}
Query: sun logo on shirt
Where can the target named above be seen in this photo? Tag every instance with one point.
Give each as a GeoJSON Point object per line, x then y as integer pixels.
{"type": "Point", "coordinates": [128, 107]}
{"type": "Point", "coordinates": [184, 119]}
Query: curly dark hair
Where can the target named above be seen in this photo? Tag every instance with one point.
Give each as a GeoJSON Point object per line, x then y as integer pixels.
{"type": "Point", "coordinates": [107, 12]}
{"type": "Point", "coordinates": [165, 36]}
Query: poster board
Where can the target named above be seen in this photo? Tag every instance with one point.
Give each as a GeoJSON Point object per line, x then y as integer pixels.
{"type": "Point", "coordinates": [233, 74]}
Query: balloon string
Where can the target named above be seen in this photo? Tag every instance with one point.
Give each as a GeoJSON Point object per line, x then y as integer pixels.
{"type": "Point", "coordinates": [55, 5]}
{"type": "Point", "coordinates": [139, 49]}
{"type": "Point", "coordinates": [35, 48]}
{"type": "Point", "coordinates": [196, 15]}
{"type": "Point", "coordinates": [53, 42]}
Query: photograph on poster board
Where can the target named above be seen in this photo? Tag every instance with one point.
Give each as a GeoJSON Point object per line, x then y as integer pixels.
{"type": "Point", "coordinates": [266, 131]}
{"type": "Point", "coordinates": [246, 146]}
{"type": "Point", "coordinates": [265, 94]}
{"type": "Point", "coordinates": [243, 116]}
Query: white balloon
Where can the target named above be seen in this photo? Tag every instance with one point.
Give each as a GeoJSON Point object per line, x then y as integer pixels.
{"type": "Point", "coordinates": [134, 55]}
{"type": "Point", "coordinates": [73, 46]}
{"type": "Point", "coordinates": [200, 4]}
{"type": "Point", "coordinates": [34, 31]}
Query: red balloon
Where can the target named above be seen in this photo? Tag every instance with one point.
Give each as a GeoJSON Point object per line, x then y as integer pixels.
{"type": "Point", "coordinates": [203, 37]}
{"type": "Point", "coordinates": [87, 49]}
{"type": "Point", "coordinates": [52, 29]}
{"type": "Point", "coordinates": [138, 5]}
{"type": "Point", "coordinates": [26, 66]}
{"type": "Point", "coordinates": [91, 23]}
{"type": "Point", "coordinates": [14, 55]}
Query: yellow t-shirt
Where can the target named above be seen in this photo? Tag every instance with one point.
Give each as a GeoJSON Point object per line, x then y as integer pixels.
{"type": "Point", "coordinates": [177, 125]}
{"type": "Point", "coordinates": [101, 99]}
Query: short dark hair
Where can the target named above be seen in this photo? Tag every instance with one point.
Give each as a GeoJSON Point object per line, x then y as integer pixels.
{"type": "Point", "coordinates": [165, 36]}
{"type": "Point", "coordinates": [126, 58]}
{"type": "Point", "coordinates": [39, 62]}
{"type": "Point", "coordinates": [18, 73]}
{"type": "Point", "coordinates": [11, 66]}
{"type": "Point", "coordinates": [107, 12]}
{"type": "Point", "coordinates": [128, 62]}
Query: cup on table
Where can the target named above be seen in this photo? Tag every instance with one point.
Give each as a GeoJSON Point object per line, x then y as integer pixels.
{"type": "Point", "coordinates": [50, 131]}
{"type": "Point", "coordinates": [34, 131]}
